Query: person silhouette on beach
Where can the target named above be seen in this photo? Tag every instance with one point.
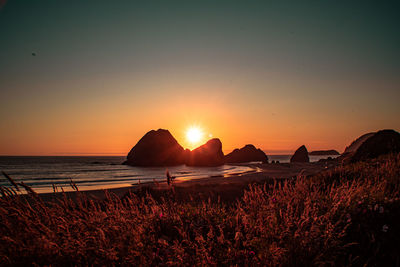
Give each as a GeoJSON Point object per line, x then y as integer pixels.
{"type": "Point", "coordinates": [169, 178]}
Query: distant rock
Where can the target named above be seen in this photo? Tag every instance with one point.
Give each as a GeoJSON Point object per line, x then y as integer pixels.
{"type": "Point", "coordinates": [327, 159]}
{"type": "Point", "coordinates": [323, 153]}
{"type": "Point", "coordinates": [247, 153]}
{"type": "Point", "coordinates": [301, 155]}
{"type": "Point", "coordinates": [156, 148]}
{"type": "Point", "coordinates": [357, 143]}
{"type": "Point", "coordinates": [209, 154]}
{"type": "Point", "coordinates": [381, 143]}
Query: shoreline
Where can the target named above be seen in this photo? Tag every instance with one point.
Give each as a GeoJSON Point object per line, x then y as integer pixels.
{"type": "Point", "coordinates": [229, 186]}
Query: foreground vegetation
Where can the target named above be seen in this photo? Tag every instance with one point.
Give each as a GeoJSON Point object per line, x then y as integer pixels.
{"type": "Point", "coordinates": [346, 216]}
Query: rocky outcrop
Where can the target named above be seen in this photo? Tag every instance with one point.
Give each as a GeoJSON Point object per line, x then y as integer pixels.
{"type": "Point", "coordinates": [301, 155]}
{"type": "Point", "coordinates": [156, 148]}
{"type": "Point", "coordinates": [159, 148]}
{"type": "Point", "coordinates": [247, 153]}
{"type": "Point", "coordinates": [357, 143]}
{"type": "Point", "coordinates": [209, 154]}
{"type": "Point", "coordinates": [324, 153]}
{"type": "Point", "coordinates": [381, 143]}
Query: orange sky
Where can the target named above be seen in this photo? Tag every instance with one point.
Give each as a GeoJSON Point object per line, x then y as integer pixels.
{"type": "Point", "coordinates": [111, 123]}
{"type": "Point", "coordinates": [78, 78]}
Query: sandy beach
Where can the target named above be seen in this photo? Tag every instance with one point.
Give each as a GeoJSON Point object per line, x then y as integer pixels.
{"type": "Point", "coordinates": [226, 188]}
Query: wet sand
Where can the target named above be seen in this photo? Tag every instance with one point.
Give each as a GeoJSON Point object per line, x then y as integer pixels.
{"type": "Point", "coordinates": [225, 188]}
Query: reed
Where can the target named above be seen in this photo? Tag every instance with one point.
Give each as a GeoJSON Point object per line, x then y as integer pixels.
{"type": "Point", "coordinates": [11, 180]}
{"type": "Point", "coordinates": [346, 216]}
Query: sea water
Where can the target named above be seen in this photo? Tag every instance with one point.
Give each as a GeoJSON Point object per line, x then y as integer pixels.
{"type": "Point", "coordinates": [286, 158]}
{"type": "Point", "coordinates": [96, 172]}
{"type": "Point", "coordinates": [101, 172]}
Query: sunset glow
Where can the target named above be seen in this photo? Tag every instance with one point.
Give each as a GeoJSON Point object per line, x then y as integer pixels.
{"type": "Point", "coordinates": [134, 129]}
{"type": "Point", "coordinates": [120, 73]}
{"type": "Point", "coordinates": [194, 135]}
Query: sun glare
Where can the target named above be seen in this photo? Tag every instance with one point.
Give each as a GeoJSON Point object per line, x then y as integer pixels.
{"type": "Point", "coordinates": [194, 135]}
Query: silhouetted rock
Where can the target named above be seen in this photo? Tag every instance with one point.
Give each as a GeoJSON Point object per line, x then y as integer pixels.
{"type": "Point", "coordinates": [301, 155]}
{"type": "Point", "coordinates": [381, 143]}
{"type": "Point", "coordinates": [352, 148]}
{"type": "Point", "coordinates": [247, 153]}
{"type": "Point", "coordinates": [209, 154]}
{"type": "Point", "coordinates": [156, 148]}
{"type": "Point", "coordinates": [325, 160]}
{"type": "Point", "coordinates": [323, 152]}
{"type": "Point", "coordinates": [357, 143]}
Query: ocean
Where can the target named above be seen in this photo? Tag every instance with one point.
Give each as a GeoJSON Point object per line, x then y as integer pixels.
{"type": "Point", "coordinates": [94, 172]}
{"type": "Point", "coordinates": [101, 172]}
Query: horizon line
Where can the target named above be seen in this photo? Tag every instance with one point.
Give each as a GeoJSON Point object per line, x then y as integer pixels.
{"type": "Point", "coordinates": [275, 153]}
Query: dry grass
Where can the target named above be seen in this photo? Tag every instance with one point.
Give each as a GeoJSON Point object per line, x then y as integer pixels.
{"type": "Point", "coordinates": [348, 216]}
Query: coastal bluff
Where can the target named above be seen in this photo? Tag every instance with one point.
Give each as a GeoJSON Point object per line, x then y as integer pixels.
{"type": "Point", "coordinates": [371, 145]}
{"type": "Point", "coordinates": [381, 143]}
{"type": "Point", "coordinates": [357, 143]}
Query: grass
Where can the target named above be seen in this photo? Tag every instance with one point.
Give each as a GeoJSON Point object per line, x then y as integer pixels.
{"type": "Point", "coordinates": [349, 216]}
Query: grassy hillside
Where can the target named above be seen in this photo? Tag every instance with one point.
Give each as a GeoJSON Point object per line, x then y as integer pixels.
{"type": "Point", "coordinates": [346, 216]}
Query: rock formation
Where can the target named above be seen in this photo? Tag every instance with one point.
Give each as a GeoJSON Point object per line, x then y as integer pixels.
{"type": "Point", "coordinates": [381, 143]}
{"type": "Point", "coordinates": [323, 153]}
{"type": "Point", "coordinates": [156, 148]}
{"type": "Point", "coordinates": [247, 153]}
{"type": "Point", "coordinates": [301, 155]}
{"type": "Point", "coordinates": [357, 143]}
{"type": "Point", "coordinates": [209, 154]}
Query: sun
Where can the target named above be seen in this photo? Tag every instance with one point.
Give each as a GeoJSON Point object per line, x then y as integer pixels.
{"type": "Point", "coordinates": [194, 135]}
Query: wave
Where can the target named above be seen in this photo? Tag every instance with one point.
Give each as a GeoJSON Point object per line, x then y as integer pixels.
{"type": "Point", "coordinates": [42, 172]}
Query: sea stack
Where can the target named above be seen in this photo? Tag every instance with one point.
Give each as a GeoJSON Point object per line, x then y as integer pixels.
{"type": "Point", "coordinates": [156, 148]}
{"type": "Point", "coordinates": [301, 155]}
{"type": "Point", "coordinates": [331, 152]}
{"type": "Point", "coordinates": [247, 153]}
{"type": "Point", "coordinates": [210, 154]}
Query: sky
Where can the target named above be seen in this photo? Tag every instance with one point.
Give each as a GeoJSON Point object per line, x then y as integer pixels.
{"type": "Point", "coordinates": [92, 77]}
